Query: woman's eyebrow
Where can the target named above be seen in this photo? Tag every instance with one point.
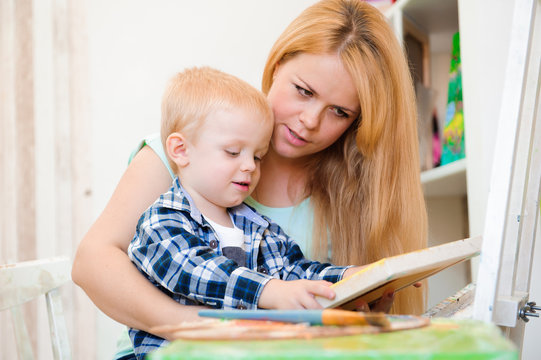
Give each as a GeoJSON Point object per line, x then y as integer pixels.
{"type": "Point", "coordinates": [345, 109]}
{"type": "Point", "coordinates": [309, 88]}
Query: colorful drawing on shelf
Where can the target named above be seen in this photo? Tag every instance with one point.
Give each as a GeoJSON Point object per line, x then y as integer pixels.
{"type": "Point", "coordinates": [453, 131]}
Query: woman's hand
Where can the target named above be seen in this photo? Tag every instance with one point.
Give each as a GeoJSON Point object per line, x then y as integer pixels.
{"type": "Point", "coordinates": [382, 305]}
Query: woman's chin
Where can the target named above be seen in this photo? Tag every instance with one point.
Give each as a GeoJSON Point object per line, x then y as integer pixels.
{"type": "Point", "coordinates": [288, 151]}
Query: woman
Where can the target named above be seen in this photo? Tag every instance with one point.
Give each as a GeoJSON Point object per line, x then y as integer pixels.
{"type": "Point", "coordinates": [342, 174]}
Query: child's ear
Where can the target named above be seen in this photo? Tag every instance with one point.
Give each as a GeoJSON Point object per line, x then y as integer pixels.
{"type": "Point", "coordinates": [176, 147]}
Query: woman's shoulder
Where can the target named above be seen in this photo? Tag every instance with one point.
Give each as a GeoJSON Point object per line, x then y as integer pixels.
{"type": "Point", "coordinates": [154, 142]}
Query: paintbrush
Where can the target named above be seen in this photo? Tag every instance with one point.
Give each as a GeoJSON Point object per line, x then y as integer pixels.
{"type": "Point", "coordinates": [313, 317]}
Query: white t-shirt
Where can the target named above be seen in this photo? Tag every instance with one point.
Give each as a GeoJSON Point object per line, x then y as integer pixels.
{"type": "Point", "coordinates": [231, 242]}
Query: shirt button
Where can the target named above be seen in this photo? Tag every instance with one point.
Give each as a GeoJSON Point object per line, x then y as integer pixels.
{"type": "Point", "coordinates": [262, 269]}
{"type": "Point", "coordinates": [213, 244]}
{"type": "Point", "coordinates": [241, 306]}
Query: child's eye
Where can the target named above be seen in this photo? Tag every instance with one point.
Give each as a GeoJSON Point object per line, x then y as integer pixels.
{"type": "Point", "coordinates": [303, 91]}
{"type": "Point", "coordinates": [232, 153]}
{"type": "Point", "coordinates": [257, 158]}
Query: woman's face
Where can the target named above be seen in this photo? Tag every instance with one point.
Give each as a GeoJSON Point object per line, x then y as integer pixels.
{"type": "Point", "coordinates": [314, 102]}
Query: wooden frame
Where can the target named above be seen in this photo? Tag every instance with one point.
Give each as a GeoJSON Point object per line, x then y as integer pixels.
{"type": "Point", "coordinates": [25, 281]}
{"type": "Point", "coordinates": [512, 215]}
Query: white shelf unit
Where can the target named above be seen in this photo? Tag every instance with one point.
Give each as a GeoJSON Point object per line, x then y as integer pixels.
{"type": "Point", "coordinates": [445, 187]}
{"type": "Point", "coordinates": [446, 180]}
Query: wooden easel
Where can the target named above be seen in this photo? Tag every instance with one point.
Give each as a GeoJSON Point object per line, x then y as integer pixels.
{"type": "Point", "coordinates": [512, 216]}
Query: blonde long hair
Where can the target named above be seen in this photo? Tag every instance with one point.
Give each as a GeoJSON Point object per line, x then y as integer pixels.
{"type": "Point", "coordinates": [365, 188]}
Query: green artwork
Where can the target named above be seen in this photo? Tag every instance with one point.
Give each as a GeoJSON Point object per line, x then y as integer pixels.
{"type": "Point", "coordinates": [453, 131]}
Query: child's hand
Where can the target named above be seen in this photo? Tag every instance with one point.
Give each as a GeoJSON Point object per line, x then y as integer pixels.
{"type": "Point", "coordinates": [295, 294]}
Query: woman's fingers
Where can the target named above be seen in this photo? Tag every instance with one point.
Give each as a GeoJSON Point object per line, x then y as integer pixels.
{"type": "Point", "coordinates": [384, 304]}
{"type": "Point", "coordinates": [356, 305]}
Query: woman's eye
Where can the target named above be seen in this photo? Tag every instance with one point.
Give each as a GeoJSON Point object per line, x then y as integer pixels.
{"type": "Point", "coordinates": [340, 113]}
{"type": "Point", "coordinates": [257, 158]}
{"type": "Point", "coordinates": [303, 91]}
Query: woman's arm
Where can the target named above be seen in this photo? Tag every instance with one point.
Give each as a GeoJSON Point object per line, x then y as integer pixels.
{"type": "Point", "coordinates": [102, 267]}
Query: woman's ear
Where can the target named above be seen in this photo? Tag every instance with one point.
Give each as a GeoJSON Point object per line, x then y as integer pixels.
{"type": "Point", "coordinates": [176, 147]}
{"type": "Point", "coordinates": [275, 70]}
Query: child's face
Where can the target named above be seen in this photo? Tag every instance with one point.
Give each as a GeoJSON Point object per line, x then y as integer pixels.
{"type": "Point", "coordinates": [224, 161]}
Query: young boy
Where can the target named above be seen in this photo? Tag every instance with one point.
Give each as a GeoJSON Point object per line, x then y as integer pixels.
{"type": "Point", "coordinates": [199, 242]}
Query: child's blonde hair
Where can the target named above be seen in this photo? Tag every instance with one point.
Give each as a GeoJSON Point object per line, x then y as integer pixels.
{"type": "Point", "coordinates": [196, 92]}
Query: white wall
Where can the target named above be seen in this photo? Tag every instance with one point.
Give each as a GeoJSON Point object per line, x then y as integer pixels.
{"type": "Point", "coordinates": [136, 46]}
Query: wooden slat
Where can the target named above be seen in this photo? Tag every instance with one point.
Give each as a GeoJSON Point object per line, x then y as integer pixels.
{"type": "Point", "coordinates": [530, 210]}
{"type": "Point", "coordinates": [25, 281]}
{"type": "Point", "coordinates": [22, 337]}
{"type": "Point", "coordinates": [25, 212]}
{"type": "Point", "coordinates": [57, 326]}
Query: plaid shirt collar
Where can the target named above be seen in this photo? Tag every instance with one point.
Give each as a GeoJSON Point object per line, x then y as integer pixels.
{"type": "Point", "coordinates": [177, 198]}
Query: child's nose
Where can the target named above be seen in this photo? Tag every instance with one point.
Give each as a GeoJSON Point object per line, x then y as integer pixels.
{"type": "Point", "coordinates": [248, 163]}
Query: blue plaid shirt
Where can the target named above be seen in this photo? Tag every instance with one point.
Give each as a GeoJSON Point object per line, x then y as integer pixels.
{"type": "Point", "coordinates": [177, 249]}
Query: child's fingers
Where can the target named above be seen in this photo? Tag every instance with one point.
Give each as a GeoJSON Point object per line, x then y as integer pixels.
{"type": "Point", "coordinates": [312, 289]}
{"type": "Point", "coordinates": [321, 288]}
{"type": "Point", "coordinates": [309, 302]}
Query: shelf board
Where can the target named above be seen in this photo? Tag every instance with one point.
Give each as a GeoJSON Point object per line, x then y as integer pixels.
{"type": "Point", "coordinates": [446, 180]}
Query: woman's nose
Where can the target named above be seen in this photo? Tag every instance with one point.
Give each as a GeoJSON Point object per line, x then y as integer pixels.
{"type": "Point", "coordinates": [310, 117]}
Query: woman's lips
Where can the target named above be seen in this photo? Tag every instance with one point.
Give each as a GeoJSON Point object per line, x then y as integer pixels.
{"type": "Point", "coordinates": [294, 138]}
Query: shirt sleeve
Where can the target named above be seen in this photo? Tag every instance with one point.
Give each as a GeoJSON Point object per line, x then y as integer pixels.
{"type": "Point", "coordinates": [166, 249]}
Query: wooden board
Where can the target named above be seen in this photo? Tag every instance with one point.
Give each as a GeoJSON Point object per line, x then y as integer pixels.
{"type": "Point", "coordinates": [217, 329]}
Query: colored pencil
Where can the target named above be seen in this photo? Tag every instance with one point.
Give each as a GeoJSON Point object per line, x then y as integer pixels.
{"type": "Point", "coordinates": [313, 317]}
